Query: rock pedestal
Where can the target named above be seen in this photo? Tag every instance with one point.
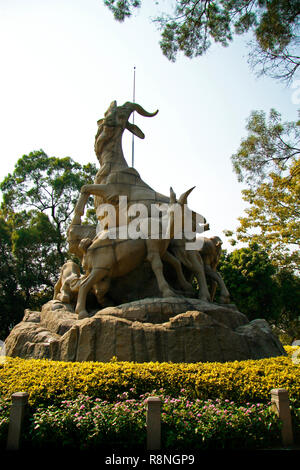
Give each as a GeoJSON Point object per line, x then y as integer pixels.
{"type": "Point", "coordinates": [170, 329]}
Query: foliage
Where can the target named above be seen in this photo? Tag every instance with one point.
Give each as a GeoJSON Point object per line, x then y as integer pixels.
{"type": "Point", "coordinates": [38, 201]}
{"type": "Point", "coordinates": [194, 24]}
{"type": "Point", "coordinates": [257, 288]}
{"type": "Point", "coordinates": [288, 323]}
{"type": "Point", "coordinates": [4, 420]}
{"type": "Point", "coordinates": [122, 9]}
{"type": "Point", "coordinates": [75, 409]}
{"type": "Point", "coordinates": [295, 414]}
{"type": "Point", "coordinates": [268, 161]}
{"type": "Point", "coordinates": [91, 423]}
{"type": "Point", "coordinates": [12, 302]}
{"type": "Point", "coordinates": [49, 186]}
{"type": "Point", "coordinates": [217, 424]}
{"type": "Point", "coordinates": [50, 382]}
{"type": "Point", "coordinates": [270, 148]}
{"type": "Point", "coordinates": [272, 220]}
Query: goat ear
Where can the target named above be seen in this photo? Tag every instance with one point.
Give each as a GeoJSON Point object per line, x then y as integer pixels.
{"type": "Point", "coordinates": [135, 130]}
{"type": "Point", "coordinates": [112, 106]}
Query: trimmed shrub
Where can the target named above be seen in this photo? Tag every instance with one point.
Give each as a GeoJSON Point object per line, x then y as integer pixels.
{"type": "Point", "coordinates": [94, 424]}
{"type": "Point", "coordinates": [50, 382]}
{"type": "Point", "coordinates": [4, 420]}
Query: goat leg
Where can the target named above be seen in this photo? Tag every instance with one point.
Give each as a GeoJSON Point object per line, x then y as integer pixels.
{"type": "Point", "coordinates": [79, 208]}
{"type": "Point", "coordinates": [157, 267]}
{"type": "Point", "coordinates": [176, 264]}
{"type": "Point", "coordinates": [215, 276]}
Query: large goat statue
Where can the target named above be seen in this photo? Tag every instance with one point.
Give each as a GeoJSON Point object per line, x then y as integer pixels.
{"type": "Point", "coordinates": [105, 259]}
{"type": "Point", "coordinates": [115, 179]}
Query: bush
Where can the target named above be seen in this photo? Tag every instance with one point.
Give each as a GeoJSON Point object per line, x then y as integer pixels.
{"type": "Point", "coordinates": [88, 423]}
{"type": "Point", "coordinates": [93, 424]}
{"type": "Point", "coordinates": [4, 420]}
{"type": "Point", "coordinates": [95, 405]}
{"type": "Point", "coordinates": [50, 382]}
{"type": "Point", "coordinates": [218, 424]}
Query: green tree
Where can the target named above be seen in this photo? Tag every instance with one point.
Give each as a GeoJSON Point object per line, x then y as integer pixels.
{"type": "Point", "coordinates": [250, 277]}
{"type": "Point", "coordinates": [271, 147]}
{"type": "Point", "coordinates": [48, 185]}
{"type": "Point", "coordinates": [268, 162]}
{"type": "Point", "coordinates": [12, 302]}
{"type": "Point", "coordinates": [38, 201]}
{"type": "Point", "coordinates": [272, 219]}
{"type": "Point", "coordinates": [288, 322]}
{"type": "Point", "coordinates": [193, 24]}
{"type": "Point", "coordinates": [261, 290]}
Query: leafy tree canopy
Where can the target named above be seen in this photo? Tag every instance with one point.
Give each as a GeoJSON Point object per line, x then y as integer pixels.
{"type": "Point", "coordinates": [47, 185]}
{"type": "Point", "coordinates": [273, 216]}
{"type": "Point", "coordinates": [271, 147]}
{"type": "Point", "coordinates": [257, 287]}
{"type": "Point", "coordinates": [38, 202]}
{"type": "Point", "coordinates": [11, 300]}
{"type": "Point", "coordinates": [194, 24]}
{"type": "Point", "coordinates": [268, 162]}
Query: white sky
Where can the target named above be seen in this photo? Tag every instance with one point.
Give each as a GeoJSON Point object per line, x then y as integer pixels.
{"type": "Point", "coordinates": [64, 61]}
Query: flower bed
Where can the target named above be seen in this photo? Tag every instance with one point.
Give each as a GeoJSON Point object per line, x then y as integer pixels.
{"type": "Point", "coordinates": [4, 420]}
{"type": "Point", "coordinates": [50, 382]}
{"type": "Point", "coordinates": [204, 405]}
{"type": "Point", "coordinates": [92, 423]}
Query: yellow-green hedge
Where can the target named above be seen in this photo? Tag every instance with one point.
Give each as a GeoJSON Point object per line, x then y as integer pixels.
{"type": "Point", "coordinates": [50, 381]}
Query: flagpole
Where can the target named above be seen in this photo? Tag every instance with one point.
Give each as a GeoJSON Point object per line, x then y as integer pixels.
{"type": "Point", "coordinates": [132, 158]}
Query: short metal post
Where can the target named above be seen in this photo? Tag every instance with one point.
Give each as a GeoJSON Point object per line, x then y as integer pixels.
{"type": "Point", "coordinates": [281, 405]}
{"type": "Point", "coordinates": [153, 423]}
{"type": "Point", "coordinates": [16, 418]}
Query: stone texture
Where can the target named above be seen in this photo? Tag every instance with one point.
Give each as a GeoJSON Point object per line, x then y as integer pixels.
{"type": "Point", "coordinates": [171, 329]}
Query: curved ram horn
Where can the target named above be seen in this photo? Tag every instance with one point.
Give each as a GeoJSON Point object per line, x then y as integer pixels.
{"type": "Point", "coordinates": [139, 109]}
{"type": "Point", "coordinates": [183, 198]}
{"type": "Point", "coordinates": [142, 111]}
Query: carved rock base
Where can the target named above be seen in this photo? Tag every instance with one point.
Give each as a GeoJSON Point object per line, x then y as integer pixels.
{"type": "Point", "coordinates": [171, 329]}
